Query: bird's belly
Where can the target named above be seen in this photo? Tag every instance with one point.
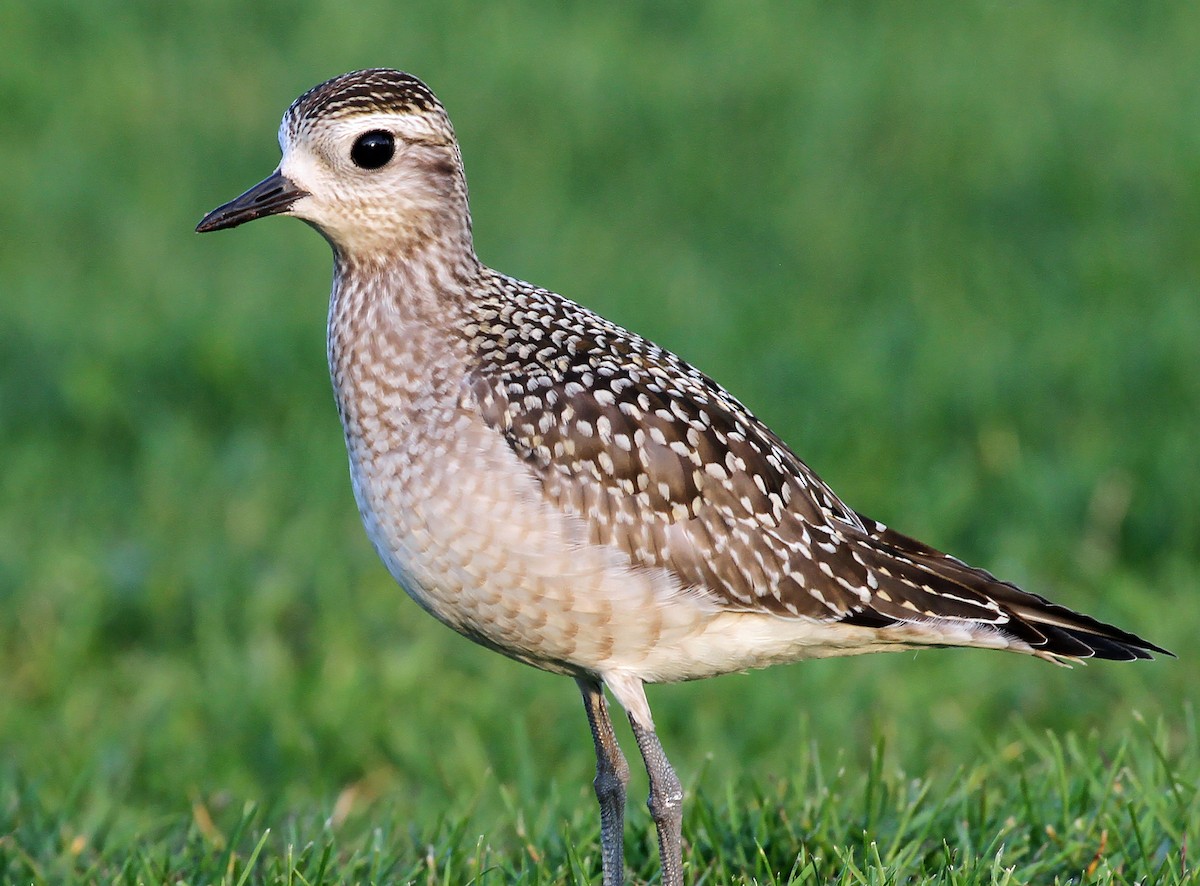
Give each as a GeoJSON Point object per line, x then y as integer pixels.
{"type": "Point", "coordinates": [463, 526]}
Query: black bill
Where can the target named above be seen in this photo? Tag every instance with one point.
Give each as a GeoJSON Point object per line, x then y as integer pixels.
{"type": "Point", "coordinates": [271, 196]}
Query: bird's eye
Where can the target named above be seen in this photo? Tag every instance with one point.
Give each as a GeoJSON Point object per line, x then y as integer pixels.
{"type": "Point", "coordinates": [373, 149]}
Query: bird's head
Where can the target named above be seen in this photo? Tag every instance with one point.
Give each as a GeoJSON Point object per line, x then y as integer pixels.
{"type": "Point", "coordinates": [370, 160]}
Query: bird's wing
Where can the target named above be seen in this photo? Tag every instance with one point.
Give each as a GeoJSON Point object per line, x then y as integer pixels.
{"type": "Point", "coordinates": [659, 461]}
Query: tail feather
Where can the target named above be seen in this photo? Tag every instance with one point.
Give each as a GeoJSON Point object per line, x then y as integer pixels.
{"type": "Point", "coordinates": [1064, 628]}
{"type": "Point", "coordinates": [1049, 630]}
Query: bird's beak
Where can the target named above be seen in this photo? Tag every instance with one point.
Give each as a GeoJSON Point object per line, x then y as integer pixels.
{"type": "Point", "coordinates": [271, 196]}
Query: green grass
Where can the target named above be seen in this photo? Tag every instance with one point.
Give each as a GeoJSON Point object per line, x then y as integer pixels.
{"type": "Point", "coordinates": [1039, 809]}
{"type": "Point", "coordinates": [948, 252]}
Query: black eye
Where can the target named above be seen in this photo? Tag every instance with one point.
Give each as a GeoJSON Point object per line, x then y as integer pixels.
{"type": "Point", "coordinates": [373, 149]}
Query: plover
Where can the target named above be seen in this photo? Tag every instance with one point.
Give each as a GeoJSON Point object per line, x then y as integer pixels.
{"type": "Point", "coordinates": [570, 494]}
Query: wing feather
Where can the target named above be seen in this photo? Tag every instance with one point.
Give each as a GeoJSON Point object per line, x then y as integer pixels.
{"type": "Point", "coordinates": [663, 464]}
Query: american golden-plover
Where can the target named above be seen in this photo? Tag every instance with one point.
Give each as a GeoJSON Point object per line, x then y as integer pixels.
{"type": "Point", "coordinates": [572, 495]}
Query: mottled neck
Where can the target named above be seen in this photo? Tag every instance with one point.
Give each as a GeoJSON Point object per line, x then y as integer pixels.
{"type": "Point", "coordinates": [421, 284]}
{"type": "Point", "coordinates": [390, 314]}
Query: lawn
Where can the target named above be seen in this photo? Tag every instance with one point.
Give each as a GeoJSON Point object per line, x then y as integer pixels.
{"type": "Point", "coordinates": [949, 252]}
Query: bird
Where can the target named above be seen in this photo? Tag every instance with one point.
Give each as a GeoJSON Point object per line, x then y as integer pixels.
{"type": "Point", "coordinates": [572, 495]}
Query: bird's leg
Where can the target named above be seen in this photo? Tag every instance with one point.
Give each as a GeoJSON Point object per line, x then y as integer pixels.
{"type": "Point", "coordinates": [665, 803]}
{"type": "Point", "coordinates": [612, 775]}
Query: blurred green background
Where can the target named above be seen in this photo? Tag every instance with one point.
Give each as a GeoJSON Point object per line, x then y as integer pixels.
{"type": "Point", "coordinates": [951, 253]}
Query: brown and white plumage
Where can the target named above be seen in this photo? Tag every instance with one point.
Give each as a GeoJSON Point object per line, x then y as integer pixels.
{"type": "Point", "coordinates": [570, 494]}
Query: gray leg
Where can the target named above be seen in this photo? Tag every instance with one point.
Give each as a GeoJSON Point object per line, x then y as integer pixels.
{"type": "Point", "coordinates": [612, 775]}
{"type": "Point", "coordinates": [666, 802]}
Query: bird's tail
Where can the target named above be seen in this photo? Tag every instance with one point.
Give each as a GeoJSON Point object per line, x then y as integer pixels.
{"type": "Point", "coordinates": [1040, 627]}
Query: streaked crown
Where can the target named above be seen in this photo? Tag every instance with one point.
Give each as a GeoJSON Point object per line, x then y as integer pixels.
{"type": "Point", "coordinates": [361, 94]}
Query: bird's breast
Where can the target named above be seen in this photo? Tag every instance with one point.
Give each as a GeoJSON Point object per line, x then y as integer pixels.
{"type": "Point", "coordinates": [465, 527]}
